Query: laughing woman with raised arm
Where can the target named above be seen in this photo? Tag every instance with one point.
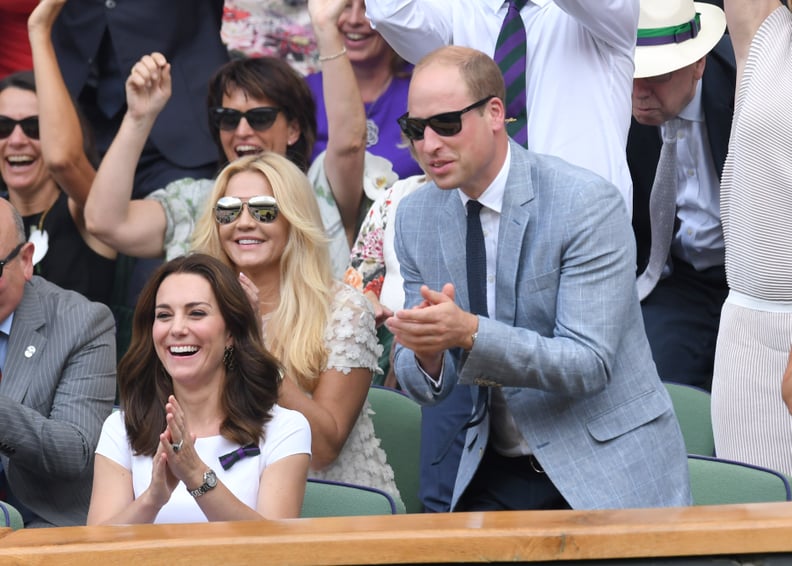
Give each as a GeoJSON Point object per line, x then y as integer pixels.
{"type": "Point", "coordinates": [255, 105]}
{"type": "Point", "coordinates": [47, 170]}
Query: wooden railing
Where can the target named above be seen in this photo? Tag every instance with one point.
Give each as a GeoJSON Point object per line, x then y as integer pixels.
{"type": "Point", "coordinates": [529, 536]}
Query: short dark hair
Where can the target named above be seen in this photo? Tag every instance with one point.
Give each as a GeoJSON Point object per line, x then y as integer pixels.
{"type": "Point", "coordinates": [251, 384]}
{"type": "Point", "coordinates": [274, 79]}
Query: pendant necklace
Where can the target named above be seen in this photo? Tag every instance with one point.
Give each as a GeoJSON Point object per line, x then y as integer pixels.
{"type": "Point", "coordinates": [372, 129]}
{"type": "Point", "coordinates": [40, 239]}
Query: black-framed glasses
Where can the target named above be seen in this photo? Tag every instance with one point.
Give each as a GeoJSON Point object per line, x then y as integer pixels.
{"type": "Point", "coordinates": [9, 257]}
{"type": "Point", "coordinates": [260, 119]}
{"type": "Point", "coordinates": [263, 208]}
{"type": "Point", "coordinates": [445, 124]}
{"type": "Point", "coordinates": [30, 126]}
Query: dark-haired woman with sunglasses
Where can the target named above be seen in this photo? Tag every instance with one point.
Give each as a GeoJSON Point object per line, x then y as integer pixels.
{"type": "Point", "coordinates": [266, 225]}
{"type": "Point", "coordinates": [47, 170]}
{"type": "Point", "coordinates": [255, 105]}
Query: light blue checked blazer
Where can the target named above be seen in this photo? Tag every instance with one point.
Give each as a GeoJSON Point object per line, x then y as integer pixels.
{"type": "Point", "coordinates": [566, 345]}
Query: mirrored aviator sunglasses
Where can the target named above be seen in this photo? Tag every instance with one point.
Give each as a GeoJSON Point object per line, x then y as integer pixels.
{"type": "Point", "coordinates": [260, 119]}
{"type": "Point", "coordinates": [29, 125]}
{"type": "Point", "coordinates": [262, 208]}
{"type": "Point", "coordinates": [445, 124]}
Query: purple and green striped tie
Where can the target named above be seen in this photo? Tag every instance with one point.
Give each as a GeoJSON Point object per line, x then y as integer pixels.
{"type": "Point", "coordinates": [510, 55]}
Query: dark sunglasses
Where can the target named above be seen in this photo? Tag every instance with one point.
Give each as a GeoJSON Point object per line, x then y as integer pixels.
{"type": "Point", "coordinates": [9, 257]}
{"type": "Point", "coordinates": [260, 119]}
{"type": "Point", "coordinates": [445, 124]}
{"type": "Point", "coordinates": [262, 208]}
{"type": "Point", "coordinates": [30, 126]}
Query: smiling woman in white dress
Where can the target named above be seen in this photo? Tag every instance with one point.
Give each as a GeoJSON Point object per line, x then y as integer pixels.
{"type": "Point", "coordinates": [199, 436]}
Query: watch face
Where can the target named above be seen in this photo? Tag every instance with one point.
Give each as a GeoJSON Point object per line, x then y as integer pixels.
{"type": "Point", "coordinates": [210, 479]}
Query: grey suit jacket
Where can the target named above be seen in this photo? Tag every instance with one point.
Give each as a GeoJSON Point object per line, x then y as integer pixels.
{"type": "Point", "coordinates": [566, 344]}
{"type": "Point", "coordinates": [58, 387]}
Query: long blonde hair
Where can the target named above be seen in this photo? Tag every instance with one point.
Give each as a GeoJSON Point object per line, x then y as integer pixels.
{"type": "Point", "coordinates": [295, 332]}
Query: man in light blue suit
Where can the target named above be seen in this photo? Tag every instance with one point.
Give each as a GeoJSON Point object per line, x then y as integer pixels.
{"type": "Point", "coordinates": [569, 409]}
{"type": "Point", "coordinates": [57, 385]}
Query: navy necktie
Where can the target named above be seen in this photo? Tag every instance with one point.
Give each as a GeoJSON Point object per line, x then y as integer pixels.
{"type": "Point", "coordinates": [511, 57]}
{"type": "Point", "coordinates": [476, 262]}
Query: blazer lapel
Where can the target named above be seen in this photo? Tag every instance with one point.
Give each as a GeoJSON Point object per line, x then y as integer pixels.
{"type": "Point", "coordinates": [25, 346]}
{"type": "Point", "coordinates": [515, 216]}
{"type": "Point", "coordinates": [451, 236]}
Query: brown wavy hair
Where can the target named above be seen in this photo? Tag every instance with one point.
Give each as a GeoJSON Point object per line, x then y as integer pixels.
{"type": "Point", "coordinates": [251, 385]}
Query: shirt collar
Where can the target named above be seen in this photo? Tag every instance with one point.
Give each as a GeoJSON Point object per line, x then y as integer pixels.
{"type": "Point", "coordinates": [496, 5]}
{"type": "Point", "coordinates": [492, 197]}
{"type": "Point", "coordinates": [694, 111]}
{"type": "Point", "coordinates": [5, 326]}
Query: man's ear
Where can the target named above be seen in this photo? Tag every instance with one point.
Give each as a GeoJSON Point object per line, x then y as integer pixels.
{"type": "Point", "coordinates": [26, 257]}
{"type": "Point", "coordinates": [698, 67]}
{"type": "Point", "coordinates": [496, 111]}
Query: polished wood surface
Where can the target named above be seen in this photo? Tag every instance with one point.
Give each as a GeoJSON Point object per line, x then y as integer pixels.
{"type": "Point", "coordinates": [413, 539]}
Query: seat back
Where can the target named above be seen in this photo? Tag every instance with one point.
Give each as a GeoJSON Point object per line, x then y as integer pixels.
{"type": "Point", "coordinates": [10, 516]}
{"type": "Point", "coordinates": [397, 423]}
{"type": "Point", "coordinates": [714, 481]}
{"type": "Point", "coordinates": [692, 408]}
{"type": "Point", "coordinates": [325, 498]}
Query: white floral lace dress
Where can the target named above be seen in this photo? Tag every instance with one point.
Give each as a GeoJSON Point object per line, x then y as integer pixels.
{"type": "Point", "coordinates": [352, 343]}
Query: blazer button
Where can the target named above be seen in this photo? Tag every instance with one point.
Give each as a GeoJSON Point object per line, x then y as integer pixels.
{"type": "Point", "coordinates": [110, 4]}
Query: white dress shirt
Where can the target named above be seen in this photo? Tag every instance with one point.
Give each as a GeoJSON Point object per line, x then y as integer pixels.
{"type": "Point", "coordinates": [699, 238]}
{"type": "Point", "coordinates": [579, 73]}
{"type": "Point", "coordinates": [505, 437]}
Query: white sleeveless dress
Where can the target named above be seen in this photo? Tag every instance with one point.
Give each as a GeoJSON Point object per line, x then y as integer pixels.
{"type": "Point", "coordinates": [750, 421]}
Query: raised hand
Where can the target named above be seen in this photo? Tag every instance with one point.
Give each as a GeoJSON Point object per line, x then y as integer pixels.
{"type": "Point", "coordinates": [44, 15]}
{"type": "Point", "coordinates": [148, 87]}
{"type": "Point", "coordinates": [163, 482]}
{"type": "Point", "coordinates": [251, 291]}
{"type": "Point", "coordinates": [178, 444]}
{"type": "Point", "coordinates": [324, 14]}
{"type": "Point", "coordinates": [433, 326]}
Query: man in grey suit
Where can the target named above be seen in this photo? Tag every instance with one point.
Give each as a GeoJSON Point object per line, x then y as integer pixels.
{"type": "Point", "coordinates": [57, 385]}
{"type": "Point", "coordinates": [569, 409]}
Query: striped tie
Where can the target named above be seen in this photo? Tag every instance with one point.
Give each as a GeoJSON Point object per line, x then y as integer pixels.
{"type": "Point", "coordinates": [510, 55]}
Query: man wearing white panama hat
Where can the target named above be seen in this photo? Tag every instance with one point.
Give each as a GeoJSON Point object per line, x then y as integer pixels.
{"type": "Point", "coordinates": [684, 82]}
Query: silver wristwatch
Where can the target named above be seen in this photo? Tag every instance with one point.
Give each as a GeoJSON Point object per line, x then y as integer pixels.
{"type": "Point", "coordinates": [210, 482]}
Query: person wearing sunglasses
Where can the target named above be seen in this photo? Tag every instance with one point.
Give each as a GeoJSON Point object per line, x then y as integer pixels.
{"type": "Point", "coordinates": [528, 296]}
{"type": "Point", "coordinates": [255, 105]}
{"type": "Point", "coordinates": [48, 170]}
{"type": "Point", "coordinates": [57, 385]}
{"type": "Point", "coordinates": [577, 65]}
{"type": "Point", "coordinates": [265, 224]}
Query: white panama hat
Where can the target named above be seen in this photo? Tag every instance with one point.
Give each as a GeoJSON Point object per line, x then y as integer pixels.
{"type": "Point", "coordinates": [675, 33]}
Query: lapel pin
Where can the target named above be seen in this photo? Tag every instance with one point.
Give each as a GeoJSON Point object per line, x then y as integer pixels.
{"type": "Point", "coordinates": [29, 351]}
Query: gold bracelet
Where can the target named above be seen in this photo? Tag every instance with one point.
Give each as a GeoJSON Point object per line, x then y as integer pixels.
{"type": "Point", "coordinates": [334, 56]}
